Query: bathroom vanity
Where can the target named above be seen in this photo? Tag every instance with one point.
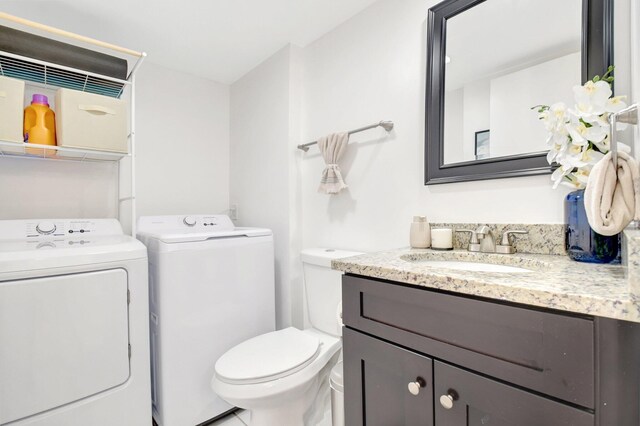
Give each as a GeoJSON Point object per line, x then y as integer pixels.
{"type": "Point", "coordinates": [549, 342]}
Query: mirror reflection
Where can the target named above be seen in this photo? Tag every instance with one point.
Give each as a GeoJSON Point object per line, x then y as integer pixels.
{"type": "Point", "coordinates": [502, 58]}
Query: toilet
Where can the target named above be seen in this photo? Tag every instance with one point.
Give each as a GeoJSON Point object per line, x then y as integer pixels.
{"type": "Point", "coordinates": [282, 376]}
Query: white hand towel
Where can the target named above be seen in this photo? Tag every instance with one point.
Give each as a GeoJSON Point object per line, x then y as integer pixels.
{"type": "Point", "coordinates": [612, 197]}
{"type": "Point", "coordinates": [332, 147]}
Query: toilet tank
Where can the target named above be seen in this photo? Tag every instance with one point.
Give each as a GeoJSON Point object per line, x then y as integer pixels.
{"type": "Point", "coordinates": [323, 288]}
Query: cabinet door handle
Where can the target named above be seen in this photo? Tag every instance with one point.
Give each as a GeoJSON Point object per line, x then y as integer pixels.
{"type": "Point", "coordinates": [447, 400]}
{"type": "Point", "coordinates": [414, 387]}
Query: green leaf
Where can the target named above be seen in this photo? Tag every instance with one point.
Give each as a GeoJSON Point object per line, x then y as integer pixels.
{"type": "Point", "coordinates": [608, 76]}
{"type": "Point", "coordinates": [540, 107]}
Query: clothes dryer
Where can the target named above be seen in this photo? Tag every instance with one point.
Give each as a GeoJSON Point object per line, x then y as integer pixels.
{"type": "Point", "coordinates": [74, 336]}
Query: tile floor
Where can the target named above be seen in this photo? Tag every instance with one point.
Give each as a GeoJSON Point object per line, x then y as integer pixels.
{"type": "Point", "coordinates": [239, 418]}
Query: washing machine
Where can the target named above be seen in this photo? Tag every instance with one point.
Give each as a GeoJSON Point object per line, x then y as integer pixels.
{"type": "Point", "coordinates": [74, 337]}
{"type": "Point", "coordinates": [211, 287]}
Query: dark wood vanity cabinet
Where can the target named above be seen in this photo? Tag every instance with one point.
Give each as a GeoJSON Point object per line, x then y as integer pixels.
{"type": "Point", "coordinates": [478, 401]}
{"type": "Point", "coordinates": [383, 372]}
{"type": "Point", "coordinates": [415, 356]}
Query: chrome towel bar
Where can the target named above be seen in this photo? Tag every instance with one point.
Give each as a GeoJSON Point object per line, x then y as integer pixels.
{"type": "Point", "coordinates": [387, 125]}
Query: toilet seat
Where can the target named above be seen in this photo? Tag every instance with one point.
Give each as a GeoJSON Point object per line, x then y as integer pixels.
{"type": "Point", "coordinates": [268, 357]}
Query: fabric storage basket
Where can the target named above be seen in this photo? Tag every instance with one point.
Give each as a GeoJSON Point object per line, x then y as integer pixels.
{"type": "Point", "coordinates": [11, 109]}
{"type": "Point", "coordinates": [88, 121]}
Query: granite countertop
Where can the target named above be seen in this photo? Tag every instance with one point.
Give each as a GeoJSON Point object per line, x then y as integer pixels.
{"type": "Point", "coordinates": [554, 281]}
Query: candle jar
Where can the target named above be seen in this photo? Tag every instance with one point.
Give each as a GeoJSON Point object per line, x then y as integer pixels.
{"type": "Point", "coordinates": [442, 239]}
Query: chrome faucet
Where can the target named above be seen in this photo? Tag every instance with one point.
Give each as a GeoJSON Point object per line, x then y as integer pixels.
{"type": "Point", "coordinates": [482, 240]}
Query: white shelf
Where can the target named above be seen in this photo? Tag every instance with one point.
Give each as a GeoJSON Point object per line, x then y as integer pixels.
{"type": "Point", "coordinates": [51, 152]}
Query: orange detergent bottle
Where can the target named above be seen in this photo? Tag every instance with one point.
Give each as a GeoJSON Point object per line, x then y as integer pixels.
{"type": "Point", "coordinates": [39, 122]}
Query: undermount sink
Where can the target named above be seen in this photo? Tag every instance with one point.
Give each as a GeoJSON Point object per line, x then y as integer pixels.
{"type": "Point", "coordinates": [470, 266]}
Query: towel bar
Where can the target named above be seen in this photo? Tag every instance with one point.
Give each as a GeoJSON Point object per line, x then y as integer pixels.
{"type": "Point", "coordinates": [629, 115]}
{"type": "Point", "coordinates": [387, 125]}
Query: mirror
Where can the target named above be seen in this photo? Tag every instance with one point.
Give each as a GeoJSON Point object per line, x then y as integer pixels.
{"type": "Point", "coordinates": [489, 62]}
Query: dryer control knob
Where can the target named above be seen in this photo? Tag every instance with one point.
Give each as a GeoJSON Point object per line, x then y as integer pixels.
{"type": "Point", "coordinates": [46, 228]}
{"type": "Point", "coordinates": [189, 221]}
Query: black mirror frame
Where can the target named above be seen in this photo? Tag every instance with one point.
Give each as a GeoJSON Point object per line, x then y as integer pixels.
{"type": "Point", "coordinates": [597, 55]}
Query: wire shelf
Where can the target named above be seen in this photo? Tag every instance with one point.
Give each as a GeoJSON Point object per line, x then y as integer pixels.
{"type": "Point", "coordinates": [52, 152]}
{"type": "Point", "coordinates": [51, 75]}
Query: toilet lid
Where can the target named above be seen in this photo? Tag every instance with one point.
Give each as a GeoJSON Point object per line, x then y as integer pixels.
{"type": "Point", "coordinates": [268, 357]}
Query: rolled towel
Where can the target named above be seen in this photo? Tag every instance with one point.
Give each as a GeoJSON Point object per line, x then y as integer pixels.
{"type": "Point", "coordinates": [612, 197]}
{"type": "Point", "coordinates": [332, 147]}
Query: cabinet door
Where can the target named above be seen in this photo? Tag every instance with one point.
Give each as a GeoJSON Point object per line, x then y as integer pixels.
{"type": "Point", "coordinates": [385, 385]}
{"type": "Point", "coordinates": [467, 399]}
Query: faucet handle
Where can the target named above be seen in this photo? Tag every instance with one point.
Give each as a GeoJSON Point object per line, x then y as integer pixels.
{"type": "Point", "coordinates": [505, 246]}
{"type": "Point", "coordinates": [474, 235]}
{"type": "Point", "coordinates": [474, 243]}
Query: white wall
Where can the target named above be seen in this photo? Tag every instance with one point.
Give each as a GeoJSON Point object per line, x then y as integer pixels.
{"type": "Point", "coordinates": [37, 189]}
{"type": "Point", "coordinates": [263, 172]}
{"type": "Point", "coordinates": [182, 143]}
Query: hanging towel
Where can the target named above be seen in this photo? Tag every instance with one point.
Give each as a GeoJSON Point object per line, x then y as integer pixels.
{"type": "Point", "coordinates": [612, 197]}
{"type": "Point", "coordinates": [332, 147]}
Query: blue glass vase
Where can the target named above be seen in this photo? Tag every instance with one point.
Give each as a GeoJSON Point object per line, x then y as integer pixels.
{"type": "Point", "coordinates": [582, 243]}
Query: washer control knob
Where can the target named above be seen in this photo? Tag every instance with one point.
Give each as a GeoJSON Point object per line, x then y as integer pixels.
{"type": "Point", "coordinates": [189, 221]}
{"type": "Point", "coordinates": [46, 228]}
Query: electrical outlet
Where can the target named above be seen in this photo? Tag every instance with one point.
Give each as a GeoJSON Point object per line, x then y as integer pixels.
{"type": "Point", "coordinates": [233, 212]}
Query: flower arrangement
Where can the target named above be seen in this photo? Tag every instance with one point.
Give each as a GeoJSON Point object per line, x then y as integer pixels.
{"type": "Point", "coordinates": [580, 136]}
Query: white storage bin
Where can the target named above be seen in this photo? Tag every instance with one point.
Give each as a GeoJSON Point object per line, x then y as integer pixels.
{"type": "Point", "coordinates": [88, 121]}
{"type": "Point", "coordinates": [11, 109]}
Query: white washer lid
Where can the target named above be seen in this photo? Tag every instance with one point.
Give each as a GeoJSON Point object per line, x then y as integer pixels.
{"type": "Point", "coordinates": [268, 357]}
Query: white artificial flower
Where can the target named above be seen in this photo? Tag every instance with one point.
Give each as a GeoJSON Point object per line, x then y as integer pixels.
{"type": "Point", "coordinates": [573, 157]}
{"type": "Point", "coordinates": [559, 137]}
{"type": "Point", "coordinates": [572, 183]}
{"type": "Point", "coordinates": [591, 98]}
{"type": "Point", "coordinates": [559, 174]}
{"type": "Point", "coordinates": [579, 137]}
{"type": "Point", "coordinates": [582, 177]}
{"type": "Point", "coordinates": [582, 135]}
{"type": "Point", "coordinates": [591, 157]}
{"type": "Point", "coordinates": [555, 117]}
{"type": "Point", "coordinates": [604, 145]}
{"type": "Point", "coordinates": [615, 104]}
{"type": "Point", "coordinates": [555, 151]}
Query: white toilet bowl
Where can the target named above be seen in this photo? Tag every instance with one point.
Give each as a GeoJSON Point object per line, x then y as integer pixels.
{"type": "Point", "coordinates": [282, 377]}
{"type": "Point", "coordinates": [283, 389]}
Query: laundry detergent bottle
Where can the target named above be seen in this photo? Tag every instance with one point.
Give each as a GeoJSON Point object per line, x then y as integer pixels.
{"type": "Point", "coordinates": [39, 122]}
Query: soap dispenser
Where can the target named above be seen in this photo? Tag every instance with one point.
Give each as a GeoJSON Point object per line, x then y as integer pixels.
{"type": "Point", "coordinates": [420, 235]}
